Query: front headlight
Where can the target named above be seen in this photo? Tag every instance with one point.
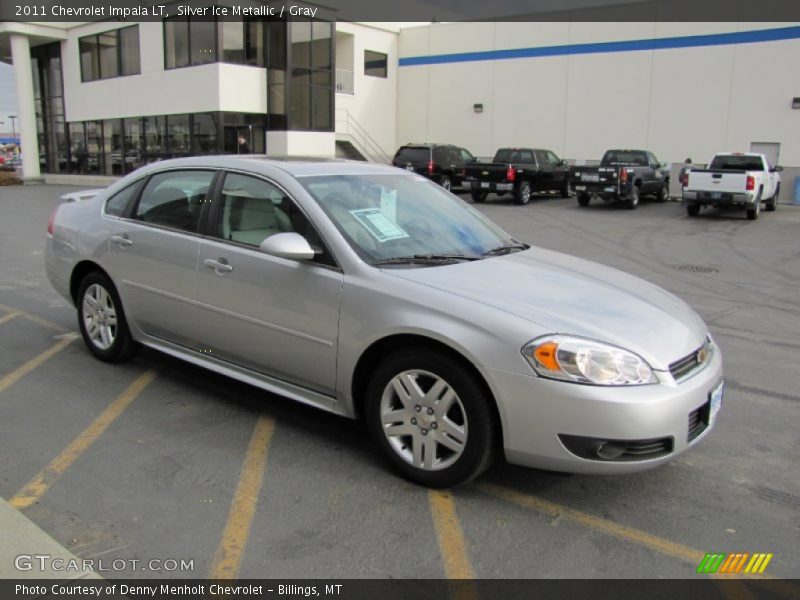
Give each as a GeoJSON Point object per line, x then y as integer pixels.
{"type": "Point", "coordinates": [580, 360]}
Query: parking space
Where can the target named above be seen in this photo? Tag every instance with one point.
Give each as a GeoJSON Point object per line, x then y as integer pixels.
{"type": "Point", "coordinates": [158, 459]}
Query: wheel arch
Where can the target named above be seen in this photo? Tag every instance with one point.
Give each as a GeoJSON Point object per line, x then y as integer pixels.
{"type": "Point", "coordinates": [79, 272]}
{"type": "Point", "coordinates": [375, 352]}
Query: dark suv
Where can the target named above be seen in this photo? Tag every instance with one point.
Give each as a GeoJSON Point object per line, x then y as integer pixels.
{"type": "Point", "coordinates": [442, 163]}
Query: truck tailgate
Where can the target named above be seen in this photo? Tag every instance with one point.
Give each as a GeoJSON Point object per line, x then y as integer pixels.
{"type": "Point", "coordinates": [487, 171]}
{"type": "Point", "coordinates": [729, 182]}
{"type": "Point", "coordinates": [605, 176]}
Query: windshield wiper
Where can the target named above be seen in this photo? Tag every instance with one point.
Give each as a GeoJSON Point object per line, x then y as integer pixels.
{"type": "Point", "coordinates": [425, 258]}
{"type": "Point", "coordinates": [506, 249]}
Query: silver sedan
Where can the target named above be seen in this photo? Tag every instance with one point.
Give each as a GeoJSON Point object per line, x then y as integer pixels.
{"type": "Point", "coordinates": [372, 293]}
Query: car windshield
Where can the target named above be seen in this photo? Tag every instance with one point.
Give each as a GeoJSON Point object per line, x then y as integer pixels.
{"type": "Point", "coordinates": [736, 163]}
{"type": "Point", "coordinates": [405, 218]}
{"type": "Point", "coordinates": [624, 157]}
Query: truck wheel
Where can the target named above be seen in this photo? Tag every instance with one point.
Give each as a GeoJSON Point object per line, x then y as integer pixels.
{"type": "Point", "coordinates": [752, 213]}
{"type": "Point", "coordinates": [663, 193]}
{"type": "Point", "coordinates": [772, 203]}
{"type": "Point", "coordinates": [693, 209]}
{"type": "Point", "coordinates": [566, 190]}
{"type": "Point", "coordinates": [478, 196]}
{"type": "Point", "coordinates": [446, 183]}
{"type": "Point", "coordinates": [583, 199]}
{"type": "Point", "coordinates": [632, 201]}
{"type": "Point", "coordinates": [522, 195]}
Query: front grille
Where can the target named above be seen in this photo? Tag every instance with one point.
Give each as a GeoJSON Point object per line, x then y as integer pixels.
{"type": "Point", "coordinates": [695, 361]}
{"type": "Point", "coordinates": [698, 420]}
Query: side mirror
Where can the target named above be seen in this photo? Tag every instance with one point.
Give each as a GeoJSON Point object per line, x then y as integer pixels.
{"type": "Point", "coordinates": [287, 245]}
{"type": "Point", "coordinates": [562, 163]}
{"type": "Point", "coordinates": [777, 169]}
{"type": "Point", "coordinates": [663, 165]}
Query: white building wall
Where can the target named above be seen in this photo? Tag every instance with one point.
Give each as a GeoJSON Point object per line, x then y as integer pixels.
{"type": "Point", "coordinates": [373, 104]}
{"type": "Point", "coordinates": [157, 91]}
{"type": "Point", "coordinates": [676, 102]}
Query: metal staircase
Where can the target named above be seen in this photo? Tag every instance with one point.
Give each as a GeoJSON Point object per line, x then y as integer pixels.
{"type": "Point", "coordinates": [353, 140]}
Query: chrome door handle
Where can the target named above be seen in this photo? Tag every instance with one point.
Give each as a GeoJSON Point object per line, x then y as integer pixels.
{"type": "Point", "coordinates": [122, 240]}
{"type": "Point", "coordinates": [218, 266]}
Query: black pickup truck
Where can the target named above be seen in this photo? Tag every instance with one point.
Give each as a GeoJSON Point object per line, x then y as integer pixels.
{"type": "Point", "coordinates": [622, 175]}
{"type": "Point", "coordinates": [519, 171]}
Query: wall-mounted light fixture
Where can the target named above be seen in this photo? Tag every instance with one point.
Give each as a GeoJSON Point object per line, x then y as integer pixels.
{"type": "Point", "coordinates": [478, 108]}
{"type": "Point", "coordinates": [795, 102]}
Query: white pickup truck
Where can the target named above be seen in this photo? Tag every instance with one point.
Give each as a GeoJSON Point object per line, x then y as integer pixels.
{"type": "Point", "coordinates": [737, 179]}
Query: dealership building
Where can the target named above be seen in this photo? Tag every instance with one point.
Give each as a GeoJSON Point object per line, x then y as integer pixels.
{"type": "Point", "coordinates": [99, 99]}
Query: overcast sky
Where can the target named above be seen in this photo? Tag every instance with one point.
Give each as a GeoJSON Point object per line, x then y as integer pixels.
{"type": "Point", "coordinates": [8, 96]}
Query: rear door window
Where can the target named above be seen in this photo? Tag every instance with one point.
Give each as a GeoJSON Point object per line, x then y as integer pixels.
{"type": "Point", "coordinates": [118, 203]}
{"type": "Point", "coordinates": [175, 199]}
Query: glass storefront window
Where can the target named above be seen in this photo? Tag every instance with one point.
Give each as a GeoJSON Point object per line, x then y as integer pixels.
{"type": "Point", "coordinates": [178, 136]}
{"type": "Point", "coordinates": [112, 147]}
{"type": "Point", "coordinates": [94, 141]}
{"type": "Point", "coordinates": [205, 133]}
{"type": "Point", "coordinates": [155, 138]}
{"type": "Point", "coordinates": [134, 144]}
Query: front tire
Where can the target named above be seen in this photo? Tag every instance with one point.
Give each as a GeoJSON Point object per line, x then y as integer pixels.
{"type": "Point", "coordinates": [522, 195]}
{"type": "Point", "coordinates": [479, 197]}
{"type": "Point", "coordinates": [431, 418]}
{"type": "Point", "coordinates": [102, 320]}
{"type": "Point", "coordinates": [693, 209]}
{"type": "Point", "coordinates": [663, 193]}
{"type": "Point", "coordinates": [584, 199]}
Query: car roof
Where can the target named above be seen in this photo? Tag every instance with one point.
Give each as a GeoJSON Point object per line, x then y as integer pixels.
{"type": "Point", "coordinates": [297, 166]}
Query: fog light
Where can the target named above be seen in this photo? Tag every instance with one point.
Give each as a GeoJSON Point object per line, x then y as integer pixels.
{"type": "Point", "coordinates": [610, 450]}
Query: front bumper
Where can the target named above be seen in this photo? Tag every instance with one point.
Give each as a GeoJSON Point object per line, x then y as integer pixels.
{"type": "Point", "coordinates": [535, 411]}
{"type": "Point", "coordinates": [488, 186]}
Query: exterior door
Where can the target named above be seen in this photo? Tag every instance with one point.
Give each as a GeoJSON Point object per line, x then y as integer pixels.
{"type": "Point", "coordinates": [276, 316]}
{"type": "Point", "coordinates": [153, 254]}
{"type": "Point", "coordinates": [546, 173]}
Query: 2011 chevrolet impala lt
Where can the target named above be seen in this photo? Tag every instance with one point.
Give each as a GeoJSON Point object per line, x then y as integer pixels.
{"type": "Point", "coordinates": [369, 291]}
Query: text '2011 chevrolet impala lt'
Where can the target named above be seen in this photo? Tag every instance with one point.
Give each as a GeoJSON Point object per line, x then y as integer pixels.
{"type": "Point", "coordinates": [371, 292]}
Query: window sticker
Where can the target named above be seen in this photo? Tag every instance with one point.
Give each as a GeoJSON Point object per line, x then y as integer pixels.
{"type": "Point", "coordinates": [389, 203]}
{"type": "Point", "coordinates": [378, 225]}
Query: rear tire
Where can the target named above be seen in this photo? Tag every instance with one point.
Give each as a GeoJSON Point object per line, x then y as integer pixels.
{"type": "Point", "coordinates": [693, 209]}
{"type": "Point", "coordinates": [522, 195]}
{"type": "Point", "coordinates": [772, 203]}
{"type": "Point", "coordinates": [446, 183]}
{"type": "Point", "coordinates": [478, 197]}
{"type": "Point", "coordinates": [101, 319]}
{"type": "Point", "coordinates": [566, 189]}
{"type": "Point", "coordinates": [632, 201]}
{"type": "Point", "coordinates": [426, 441]}
{"type": "Point", "coordinates": [584, 199]}
{"type": "Point", "coordinates": [663, 193]}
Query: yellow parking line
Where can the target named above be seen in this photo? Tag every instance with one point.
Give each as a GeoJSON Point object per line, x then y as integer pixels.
{"type": "Point", "coordinates": [628, 534]}
{"type": "Point", "coordinates": [34, 318]}
{"type": "Point", "coordinates": [37, 486]}
{"type": "Point", "coordinates": [8, 316]}
{"type": "Point", "coordinates": [452, 546]}
{"type": "Point", "coordinates": [8, 380]}
{"type": "Point", "coordinates": [228, 557]}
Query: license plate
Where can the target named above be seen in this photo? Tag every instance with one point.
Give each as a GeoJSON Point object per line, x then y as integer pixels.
{"type": "Point", "coordinates": [609, 189]}
{"type": "Point", "coordinates": [716, 195]}
{"type": "Point", "coordinates": [484, 184]}
{"type": "Point", "coordinates": [591, 177]}
{"type": "Point", "coordinates": [409, 167]}
{"type": "Point", "coordinates": [580, 188]}
{"type": "Point", "coordinates": [716, 402]}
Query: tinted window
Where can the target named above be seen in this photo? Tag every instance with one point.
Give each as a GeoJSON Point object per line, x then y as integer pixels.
{"type": "Point", "coordinates": [624, 157]}
{"type": "Point", "coordinates": [374, 64]}
{"type": "Point", "coordinates": [513, 155]}
{"type": "Point", "coordinates": [252, 209]}
{"type": "Point", "coordinates": [466, 156]}
{"type": "Point", "coordinates": [129, 50]}
{"type": "Point", "coordinates": [413, 154]}
{"type": "Point", "coordinates": [736, 163]}
{"type": "Point", "coordinates": [552, 158]}
{"type": "Point", "coordinates": [115, 206]}
{"type": "Point", "coordinates": [176, 42]}
{"type": "Point", "coordinates": [174, 199]}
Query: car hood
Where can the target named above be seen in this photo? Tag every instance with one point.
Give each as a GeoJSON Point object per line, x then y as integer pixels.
{"type": "Point", "coordinates": [565, 294]}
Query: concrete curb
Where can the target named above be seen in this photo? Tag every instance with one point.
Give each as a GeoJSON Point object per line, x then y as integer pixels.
{"type": "Point", "coordinates": [21, 536]}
